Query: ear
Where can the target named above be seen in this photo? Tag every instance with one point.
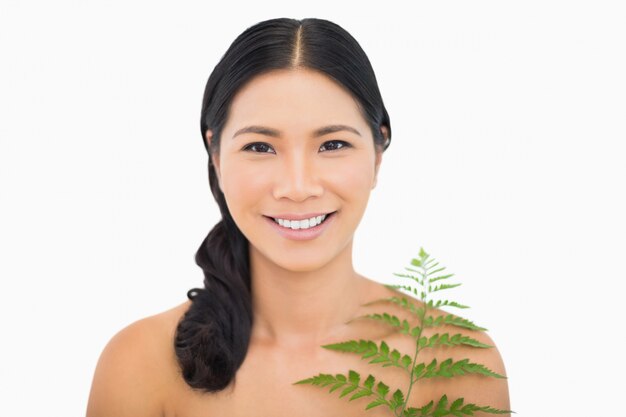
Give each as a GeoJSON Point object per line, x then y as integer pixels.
{"type": "Point", "coordinates": [379, 155]}
{"type": "Point", "coordinates": [215, 157]}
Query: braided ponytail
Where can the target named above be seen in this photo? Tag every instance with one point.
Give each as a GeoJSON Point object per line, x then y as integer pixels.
{"type": "Point", "coordinates": [212, 338]}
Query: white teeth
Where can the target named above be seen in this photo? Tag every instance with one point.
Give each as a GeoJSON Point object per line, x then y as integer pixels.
{"type": "Point", "coordinates": [301, 224]}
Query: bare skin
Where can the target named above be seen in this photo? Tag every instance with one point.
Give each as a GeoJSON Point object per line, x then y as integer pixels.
{"type": "Point", "coordinates": [264, 381]}
{"type": "Point", "coordinates": [303, 292]}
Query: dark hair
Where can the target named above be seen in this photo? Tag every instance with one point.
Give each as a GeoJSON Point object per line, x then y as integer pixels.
{"type": "Point", "coordinates": [213, 336]}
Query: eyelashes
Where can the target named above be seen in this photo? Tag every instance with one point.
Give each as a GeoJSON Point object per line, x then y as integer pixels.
{"type": "Point", "coordinates": [263, 146]}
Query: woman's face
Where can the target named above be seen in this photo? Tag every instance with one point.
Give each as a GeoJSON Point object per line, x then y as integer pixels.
{"type": "Point", "coordinates": [284, 166]}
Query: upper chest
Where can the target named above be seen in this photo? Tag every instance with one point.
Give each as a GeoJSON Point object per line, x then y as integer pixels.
{"type": "Point", "coordinates": [264, 386]}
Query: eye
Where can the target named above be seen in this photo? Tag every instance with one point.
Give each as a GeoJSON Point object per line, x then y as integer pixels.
{"type": "Point", "coordinates": [344, 144]}
{"type": "Point", "coordinates": [260, 145]}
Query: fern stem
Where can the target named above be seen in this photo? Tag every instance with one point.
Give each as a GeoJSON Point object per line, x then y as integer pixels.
{"type": "Point", "coordinates": [417, 349]}
{"type": "Point", "coordinates": [419, 336]}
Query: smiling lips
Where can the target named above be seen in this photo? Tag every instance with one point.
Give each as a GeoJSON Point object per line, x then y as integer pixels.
{"type": "Point", "coordinates": [298, 216]}
{"type": "Point", "coordinates": [303, 229]}
{"type": "Point", "coordinates": [301, 224]}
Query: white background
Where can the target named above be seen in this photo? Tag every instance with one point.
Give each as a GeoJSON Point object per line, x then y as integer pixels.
{"type": "Point", "coordinates": [506, 164]}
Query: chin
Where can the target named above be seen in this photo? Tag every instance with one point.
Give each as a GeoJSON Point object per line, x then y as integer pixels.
{"type": "Point", "coordinates": [291, 259]}
{"type": "Point", "coordinates": [301, 266]}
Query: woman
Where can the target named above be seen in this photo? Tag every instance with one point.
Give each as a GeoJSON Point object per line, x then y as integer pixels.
{"type": "Point", "coordinates": [295, 128]}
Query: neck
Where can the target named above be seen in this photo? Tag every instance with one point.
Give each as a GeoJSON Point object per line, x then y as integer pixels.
{"type": "Point", "coordinates": [303, 308]}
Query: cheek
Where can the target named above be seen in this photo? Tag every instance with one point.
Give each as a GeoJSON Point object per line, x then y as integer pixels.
{"type": "Point", "coordinates": [354, 178]}
{"type": "Point", "coordinates": [244, 185]}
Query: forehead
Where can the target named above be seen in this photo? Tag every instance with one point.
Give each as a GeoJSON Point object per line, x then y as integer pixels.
{"type": "Point", "coordinates": [293, 99]}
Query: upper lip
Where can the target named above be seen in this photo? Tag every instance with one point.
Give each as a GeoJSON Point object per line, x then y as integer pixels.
{"type": "Point", "coordinates": [289, 216]}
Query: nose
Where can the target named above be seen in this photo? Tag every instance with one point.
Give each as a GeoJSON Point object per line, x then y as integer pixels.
{"type": "Point", "coordinates": [297, 178]}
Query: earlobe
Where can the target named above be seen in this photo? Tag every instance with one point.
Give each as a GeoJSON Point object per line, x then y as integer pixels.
{"type": "Point", "coordinates": [385, 133]}
{"type": "Point", "coordinates": [208, 135]}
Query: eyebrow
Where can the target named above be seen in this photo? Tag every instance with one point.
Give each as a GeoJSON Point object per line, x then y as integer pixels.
{"type": "Point", "coordinates": [276, 133]}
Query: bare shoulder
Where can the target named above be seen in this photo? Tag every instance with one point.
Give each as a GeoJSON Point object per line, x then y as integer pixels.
{"type": "Point", "coordinates": [134, 369]}
{"type": "Point", "coordinates": [474, 388]}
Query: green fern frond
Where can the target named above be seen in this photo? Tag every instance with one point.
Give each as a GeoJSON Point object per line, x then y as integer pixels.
{"type": "Point", "coordinates": [457, 409]}
{"type": "Point", "coordinates": [413, 277]}
{"type": "Point", "coordinates": [353, 384]}
{"type": "Point", "coordinates": [418, 311]}
{"type": "Point", "coordinates": [368, 349]}
{"type": "Point", "coordinates": [416, 262]}
{"type": "Point", "coordinates": [404, 326]}
{"type": "Point", "coordinates": [404, 287]}
{"type": "Point", "coordinates": [428, 272]}
{"type": "Point", "coordinates": [445, 340]}
{"type": "Point", "coordinates": [442, 287]}
{"type": "Point", "coordinates": [431, 280]}
{"type": "Point", "coordinates": [426, 256]}
{"type": "Point", "coordinates": [425, 275]}
{"type": "Point", "coordinates": [452, 320]}
{"type": "Point", "coordinates": [448, 369]}
{"type": "Point", "coordinates": [402, 302]}
{"type": "Point", "coordinates": [444, 303]}
{"type": "Point", "coordinates": [397, 400]}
